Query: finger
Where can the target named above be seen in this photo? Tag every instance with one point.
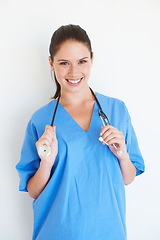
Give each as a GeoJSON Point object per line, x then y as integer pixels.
{"type": "Point", "coordinates": [48, 136]}
{"type": "Point", "coordinates": [115, 149]}
{"type": "Point", "coordinates": [50, 130]}
{"type": "Point", "coordinates": [110, 132]}
{"type": "Point", "coordinates": [106, 128]}
{"type": "Point", "coordinates": [119, 142]}
{"type": "Point", "coordinates": [54, 134]}
{"type": "Point", "coordinates": [114, 134]}
{"type": "Point", "coordinates": [103, 129]}
{"type": "Point", "coordinates": [114, 140]}
{"type": "Point", "coordinates": [109, 138]}
{"type": "Point", "coordinates": [42, 141]}
{"type": "Point", "coordinates": [50, 133]}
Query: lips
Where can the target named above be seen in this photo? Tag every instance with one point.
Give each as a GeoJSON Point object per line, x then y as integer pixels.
{"type": "Point", "coordinates": [74, 81]}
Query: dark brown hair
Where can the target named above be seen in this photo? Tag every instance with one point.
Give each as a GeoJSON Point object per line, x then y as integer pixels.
{"type": "Point", "coordinates": [63, 34]}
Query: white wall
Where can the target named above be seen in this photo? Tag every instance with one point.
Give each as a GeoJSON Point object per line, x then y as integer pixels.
{"type": "Point", "coordinates": [126, 40]}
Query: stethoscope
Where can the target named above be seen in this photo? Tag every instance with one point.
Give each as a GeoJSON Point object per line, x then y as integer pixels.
{"type": "Point", "coordinates": [44, 150]}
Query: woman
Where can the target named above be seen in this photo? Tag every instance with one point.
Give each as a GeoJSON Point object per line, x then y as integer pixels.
{"type": "Point", "coordinates": [79, 188]}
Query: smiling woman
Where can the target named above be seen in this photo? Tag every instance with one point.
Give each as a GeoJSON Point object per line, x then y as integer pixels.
{"type": "Point", "coordinates": [78, 189]}
{"type": "Point", "coordinates": [71, 66]}
{"type": "Point", "coordinates": [66, 34]}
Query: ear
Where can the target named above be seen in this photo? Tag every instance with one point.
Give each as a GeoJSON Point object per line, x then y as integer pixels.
{"type": "Point", "coordinates": [51, 63]}
{"type": "Point", "coordinates": [92, 58]}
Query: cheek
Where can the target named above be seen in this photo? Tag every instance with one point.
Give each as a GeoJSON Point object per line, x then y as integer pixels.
{"type": "Point", "coordinates": [60, 72]}
{"type": "Point", "coordinates": [86, 70]}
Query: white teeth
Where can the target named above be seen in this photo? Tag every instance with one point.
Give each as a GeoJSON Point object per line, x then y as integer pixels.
{"type": "Point", "coordinates": [74, 81]}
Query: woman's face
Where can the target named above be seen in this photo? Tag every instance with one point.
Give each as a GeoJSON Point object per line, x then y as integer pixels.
{"type": "Point", "coordinates": [71, 65]}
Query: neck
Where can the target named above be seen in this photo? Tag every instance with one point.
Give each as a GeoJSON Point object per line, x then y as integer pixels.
{"type": "Point", "coordinates": [76, 98]}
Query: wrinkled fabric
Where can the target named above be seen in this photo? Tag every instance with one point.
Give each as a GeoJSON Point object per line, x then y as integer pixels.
{"type": "Point", "coordinates": [85, 196]}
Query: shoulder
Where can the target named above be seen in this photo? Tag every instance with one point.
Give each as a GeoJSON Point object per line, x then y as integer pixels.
{"type": "Point", "coordinates": [40, 118]}
{"type": "Point", "coordinates": [110, 101]}
{"type": "Point", "coordinates": [115, 108]}
{"type": "Point", "coordinates": [44, 113]}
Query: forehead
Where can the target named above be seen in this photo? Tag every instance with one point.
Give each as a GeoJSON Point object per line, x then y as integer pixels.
{"type": "Point", "coordinates": [72, 49]}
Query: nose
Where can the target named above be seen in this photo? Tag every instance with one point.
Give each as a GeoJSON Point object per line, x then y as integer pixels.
{"type": "Point", "coordinates": [73, 70]}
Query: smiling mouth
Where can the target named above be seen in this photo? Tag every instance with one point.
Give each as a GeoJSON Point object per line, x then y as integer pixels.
{"type": "Point", "coordinates": [74, 81]}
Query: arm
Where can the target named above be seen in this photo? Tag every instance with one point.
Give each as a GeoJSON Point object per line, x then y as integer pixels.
{"type": "Point", "coordinates": [128, 170]}
{"type": "Point", "coordinates": [112, 136]}
{"type": "Point", "coordinates": [38, 182]}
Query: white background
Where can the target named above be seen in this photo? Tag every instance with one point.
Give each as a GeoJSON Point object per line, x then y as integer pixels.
{"type": "Point", "coordinates": [125, 38]}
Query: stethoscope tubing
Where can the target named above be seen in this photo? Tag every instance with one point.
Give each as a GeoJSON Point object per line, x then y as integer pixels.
{"type": "Point", "coordinates": [104, 120]}
{"type": "Point", "coordinates": [45, 151]}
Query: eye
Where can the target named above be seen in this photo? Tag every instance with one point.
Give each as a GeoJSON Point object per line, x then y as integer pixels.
{"type": "Point", "coordinates": [64, 63]}
{"type": "Point", "coordinates": [82, 61]}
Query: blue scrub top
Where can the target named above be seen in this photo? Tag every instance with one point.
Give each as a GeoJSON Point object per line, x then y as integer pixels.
{"type": "Point", "coordinates": [85, 196]}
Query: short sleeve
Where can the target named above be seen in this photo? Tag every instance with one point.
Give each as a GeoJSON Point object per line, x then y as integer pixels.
{"type": "Point", "coordinates": [29, 160]}
{"type": "Point", "coordinates": [133, 148]}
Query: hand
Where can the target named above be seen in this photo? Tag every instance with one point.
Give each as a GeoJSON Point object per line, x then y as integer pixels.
{"type": "Point", "coordinates": [112, 136]}
{"type": "Point", "coordinates": [49, 138]}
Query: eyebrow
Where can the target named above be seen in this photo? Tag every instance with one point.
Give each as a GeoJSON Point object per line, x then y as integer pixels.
{"type": "Point", "coordinates": [64, 60]}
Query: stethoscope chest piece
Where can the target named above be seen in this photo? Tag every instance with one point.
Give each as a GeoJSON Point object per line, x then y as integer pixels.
{"type": "Point", "coordinates": [44, 151]}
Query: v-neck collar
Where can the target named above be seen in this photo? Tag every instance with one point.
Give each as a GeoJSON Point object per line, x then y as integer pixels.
{"type": "Point", "coordinates": [69, 117]}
